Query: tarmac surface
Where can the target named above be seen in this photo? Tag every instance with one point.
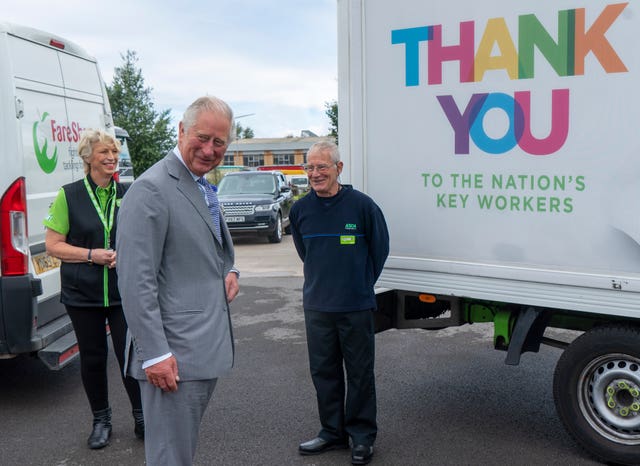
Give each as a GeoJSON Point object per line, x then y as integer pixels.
{"type": "Point", "coordinates": [444, 397]}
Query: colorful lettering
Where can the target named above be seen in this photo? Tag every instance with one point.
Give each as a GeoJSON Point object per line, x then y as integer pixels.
{"type": "Point", "coordinates": [496, 51]}
{"type": "Point", "coordinates": [469, 124]}
{"type": "Point", "coordinates": [566, 56]}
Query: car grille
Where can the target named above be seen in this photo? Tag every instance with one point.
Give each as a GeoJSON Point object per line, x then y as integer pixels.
{"type": "Point", "coordinates": [232, 210]}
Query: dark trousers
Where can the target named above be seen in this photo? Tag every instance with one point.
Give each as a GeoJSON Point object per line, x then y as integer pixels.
{"type": "Point", "coordinates": [89, 326]}
{"type": "Point", "coordinates": [339, 341]}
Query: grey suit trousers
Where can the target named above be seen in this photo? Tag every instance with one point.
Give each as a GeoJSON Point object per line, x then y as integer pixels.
{"type": "Point", "coordinates": [172, 421]}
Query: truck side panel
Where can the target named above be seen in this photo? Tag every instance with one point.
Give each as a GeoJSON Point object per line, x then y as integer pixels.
{"type": "Point", "coordinates": [509, 173]}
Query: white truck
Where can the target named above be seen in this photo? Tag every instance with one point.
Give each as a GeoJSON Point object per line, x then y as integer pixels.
{"type": "Point", "coordinates": [50, 90]}
{"type": "Point", "coordinates": [501, 140]}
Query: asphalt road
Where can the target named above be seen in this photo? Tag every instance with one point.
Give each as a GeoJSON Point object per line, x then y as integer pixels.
{"type": "Point", "coordinates": [444, 397]}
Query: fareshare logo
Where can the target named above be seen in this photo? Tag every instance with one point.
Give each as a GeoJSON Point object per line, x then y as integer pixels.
{"type": "Point", "coordinates": [55, 132]}
{"type": "Point", "coordinates": [48, 164]}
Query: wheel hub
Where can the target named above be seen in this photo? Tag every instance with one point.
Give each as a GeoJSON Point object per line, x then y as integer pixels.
{"type": "Point", "coordinates": [611, 397]}
{"type": "Point", "coordinates": [623, 397]}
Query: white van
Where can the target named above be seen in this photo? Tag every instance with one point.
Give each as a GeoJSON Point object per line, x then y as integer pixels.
{"type": "Point", "coordinates": [125, 167]}
{"type": "Point", "coordinates": [299, 182]}
{"type": "Point", "coordinates": [50, 90]}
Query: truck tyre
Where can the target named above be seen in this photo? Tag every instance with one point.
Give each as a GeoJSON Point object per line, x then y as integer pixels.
{"type": "Point", "coordinates": [276, 236]}
{"type": "Point", "coordinates": [596, 389]}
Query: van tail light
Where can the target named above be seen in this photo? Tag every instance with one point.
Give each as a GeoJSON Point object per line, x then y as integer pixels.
{"type": "Point", "coordinates": [57, 44]}
{"type": "Point", "coordinates": [14, 243]}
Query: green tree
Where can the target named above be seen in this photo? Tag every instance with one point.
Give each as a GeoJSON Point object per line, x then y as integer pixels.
{"type": "Point", "coordinates": [152, 135]}
{"type": "Point", "coordinates": [242, 132]}
{"type": "Point", "coordinates": [332, 113]}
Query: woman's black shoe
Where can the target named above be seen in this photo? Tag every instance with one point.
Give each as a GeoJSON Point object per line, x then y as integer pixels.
{"type": "Point", "coordinates": [138, 427]}
{"type": "Point", "coordinates": [101, 432]}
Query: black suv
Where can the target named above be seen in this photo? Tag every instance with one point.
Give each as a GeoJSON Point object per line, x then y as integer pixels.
{"type": "Point", "coordinates": [256, 202]}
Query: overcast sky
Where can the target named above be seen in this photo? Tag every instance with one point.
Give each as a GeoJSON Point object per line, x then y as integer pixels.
{"type": "Point", "coordinates": [276, 59]}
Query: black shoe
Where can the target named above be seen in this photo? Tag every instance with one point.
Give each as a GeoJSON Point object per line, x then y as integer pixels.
{"type": "Point", "coordinates": [319, 445]}
{"type": "Point", "coordinates": [138, 427]}
{"type": "Point", "coordinates": [101, 432]}
{"type": "Point", "coordinates": [361, 454]}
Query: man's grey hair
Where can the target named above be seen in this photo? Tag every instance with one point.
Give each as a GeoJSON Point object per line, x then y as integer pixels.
{"type": "Point", "coordinates": [209, 104]}
{"type": "Point", "coordinates": [326, 146]}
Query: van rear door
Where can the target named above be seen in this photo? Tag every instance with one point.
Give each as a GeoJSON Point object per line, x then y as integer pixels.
{"type": "Point", "coordinates": [50, 90]}
{"type": "Point", "coordinates": [60, 93]}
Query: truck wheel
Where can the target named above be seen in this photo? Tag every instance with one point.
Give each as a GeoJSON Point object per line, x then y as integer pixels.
{"type": "Point", "coordinates": [276, 236]}
{"type": "Point", "coordinates": [596, 389]}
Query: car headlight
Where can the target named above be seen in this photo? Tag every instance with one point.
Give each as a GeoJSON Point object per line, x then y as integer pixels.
{"type": "Point", "coordinates": [266, 207]}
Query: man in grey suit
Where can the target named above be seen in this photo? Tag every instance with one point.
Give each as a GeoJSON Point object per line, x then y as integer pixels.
{"type": "Point", "coordinates": [176, 278]}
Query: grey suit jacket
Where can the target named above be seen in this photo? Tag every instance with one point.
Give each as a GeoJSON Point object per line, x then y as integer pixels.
{"type": "Point", "coordinates": [171, 271]}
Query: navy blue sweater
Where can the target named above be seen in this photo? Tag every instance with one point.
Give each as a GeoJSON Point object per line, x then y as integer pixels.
{"type": "Point", "coordinates": [343, 241]}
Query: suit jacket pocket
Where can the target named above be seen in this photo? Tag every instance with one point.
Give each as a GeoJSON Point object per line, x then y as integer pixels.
{"type": "Point", "coordinates": [192, 334]}
{"type": "Point", "coordinates": [183, 324]}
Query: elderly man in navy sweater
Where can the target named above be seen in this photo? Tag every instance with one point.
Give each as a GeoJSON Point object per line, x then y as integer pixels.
{"type": "Point", "coordinates": [342, 238]}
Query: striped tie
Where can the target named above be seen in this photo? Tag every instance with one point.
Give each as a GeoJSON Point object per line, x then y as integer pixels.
{"type": "Point", "coordinates": [213, 204]}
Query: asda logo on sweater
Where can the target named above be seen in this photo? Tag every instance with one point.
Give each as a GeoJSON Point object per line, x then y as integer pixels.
{"type": "Point", "coordinates": [350, 226]}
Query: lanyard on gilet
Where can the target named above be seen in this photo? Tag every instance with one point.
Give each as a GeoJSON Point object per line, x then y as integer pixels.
{"type": "Point", "coordinates": [106, 222]}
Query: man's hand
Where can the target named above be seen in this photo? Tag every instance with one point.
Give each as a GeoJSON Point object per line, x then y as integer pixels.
{"type": "Point", "coordinates": [231, 285]}
{"type": "Point", "coordinates": [164, 375]}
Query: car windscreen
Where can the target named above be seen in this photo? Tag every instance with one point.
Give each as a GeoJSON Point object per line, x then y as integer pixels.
{"type": "Point", "coordinates": [254, 184]}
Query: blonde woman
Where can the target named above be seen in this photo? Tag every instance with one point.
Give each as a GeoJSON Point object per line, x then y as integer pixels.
{"type": "Point", "coordinates": [81, 232]}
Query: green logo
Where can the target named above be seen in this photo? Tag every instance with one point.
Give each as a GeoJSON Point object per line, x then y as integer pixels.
{"type": "Point", "coordinates": [350, 226]}
{"type": "Point", "coordinates": [47, 164]}
{"type": "Point", "coordinates": [347, 239]}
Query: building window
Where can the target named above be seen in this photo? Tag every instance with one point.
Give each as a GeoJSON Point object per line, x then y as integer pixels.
{"type": "Point", "coordinates": [255, 160]}
{"type": "Point", "coordinates": [228, 159]}
{"type": "Point", "coordinates": [283, 159]}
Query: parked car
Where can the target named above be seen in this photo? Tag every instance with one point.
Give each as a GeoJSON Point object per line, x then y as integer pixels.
{"type": "Point", "coordinates": [256, 202]}
{"type": "Point", "coordinates": [299, 183]}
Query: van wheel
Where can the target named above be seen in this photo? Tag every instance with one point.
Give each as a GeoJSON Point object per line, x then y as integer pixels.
{"type": "Point", "coordinates": [596, 389]}
{"type": "Point", "coordinates": [276, 236]}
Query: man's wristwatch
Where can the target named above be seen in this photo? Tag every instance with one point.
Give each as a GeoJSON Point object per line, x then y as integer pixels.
{"type": "Point", "coordinates": [89, 260]}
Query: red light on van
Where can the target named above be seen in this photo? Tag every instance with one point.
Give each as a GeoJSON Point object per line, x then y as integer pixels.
{"type": "Point", "coordinates": [57, 44]}
{"type": "Point", "coordinates": [14, 243]}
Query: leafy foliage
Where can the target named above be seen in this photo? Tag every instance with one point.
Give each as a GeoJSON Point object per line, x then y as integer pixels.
{"type": "Point", "coordinates": [242, 132]}
{"type": "Point", "coordinates": [332, 113]}
{"type": "Point", "coordinates": [152, 134]}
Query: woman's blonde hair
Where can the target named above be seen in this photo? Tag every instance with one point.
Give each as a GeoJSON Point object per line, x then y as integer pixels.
{"type": "Point", "coordinates": [88, 139]}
